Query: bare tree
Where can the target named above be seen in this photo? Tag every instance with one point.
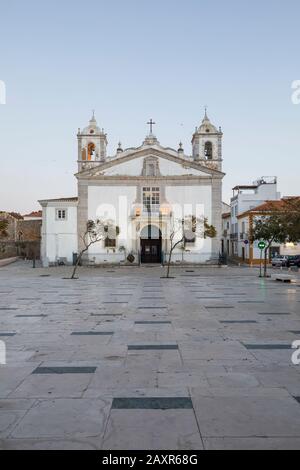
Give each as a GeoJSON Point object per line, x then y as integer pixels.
{"type": "Point", "coordinates": [187, 229]}
{"type": "Point", "coordinates": [95, 232]}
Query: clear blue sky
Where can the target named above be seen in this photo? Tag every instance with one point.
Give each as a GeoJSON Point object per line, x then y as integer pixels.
{"type": "Point", "coordinates": [136, 59]}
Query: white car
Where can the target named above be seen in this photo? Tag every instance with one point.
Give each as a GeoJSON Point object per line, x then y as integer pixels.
{"type": "Point", "coordinates": [279, 261]}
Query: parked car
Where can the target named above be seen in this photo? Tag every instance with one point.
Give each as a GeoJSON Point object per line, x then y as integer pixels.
{"type": "Point", "coordinates": [293, 261]}
{"type": "Point", "coordinates": [286, 261]}
{"type": "Point", "coordinates": [279, 261]}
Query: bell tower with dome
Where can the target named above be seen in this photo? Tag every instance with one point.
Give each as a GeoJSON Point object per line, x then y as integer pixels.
{"type": "Point", "coordinates": [92, 144]}
{"type": "Point", "coordinates": [207, 144]}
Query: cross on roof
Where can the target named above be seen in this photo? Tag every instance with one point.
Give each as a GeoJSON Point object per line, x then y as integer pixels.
{"type": "Point", "coordinates": [151, 123]}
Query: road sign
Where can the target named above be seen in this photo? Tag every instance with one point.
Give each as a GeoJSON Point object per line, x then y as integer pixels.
{"type": "Point", "coordinates": [261, 245]}
{"type": "Point", "coordinates": [246, 242]}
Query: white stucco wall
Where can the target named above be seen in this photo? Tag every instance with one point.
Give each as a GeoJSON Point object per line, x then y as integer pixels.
{"type": "Point", "coordinates": [193, 200]}
{"type": "Point", "coordinates": [59, 237]}
{"type": "Point", "coordinates": [115, 203]}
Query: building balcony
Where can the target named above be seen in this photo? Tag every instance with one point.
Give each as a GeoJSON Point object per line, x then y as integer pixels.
{"type": "Point", "coordinates": [155, 210]}
{"type": "Point", "coordinates": [244, 236]}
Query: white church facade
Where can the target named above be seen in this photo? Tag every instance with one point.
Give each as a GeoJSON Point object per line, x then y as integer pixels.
{"type": "Point", "coordinates": [144, 191]}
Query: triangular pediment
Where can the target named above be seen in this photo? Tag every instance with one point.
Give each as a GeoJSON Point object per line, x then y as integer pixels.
{"type": "Point", "coordinates": [131, 164]}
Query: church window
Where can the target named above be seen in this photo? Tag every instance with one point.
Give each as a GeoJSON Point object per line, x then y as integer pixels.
{"type": "Point", "coordinates": [61, 214]}
{"type": "Point", "coordinates": [110, 242]}
{"type": "Point", "coordinates": [83, 154]}
{"type": "Point", "coordinates": [208, 150]}
{"type": "Point", "coordinates": [151, 199]}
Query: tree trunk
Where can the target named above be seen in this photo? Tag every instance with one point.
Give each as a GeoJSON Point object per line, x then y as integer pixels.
{"type": "Point", "coordinates": [77, 264]}
{"type": "Point", "coordinates": [265, 262]}
{"type": "Point", "coordinates": [266, 257]}
{"type": "Point", "coordinates": [169, 262]}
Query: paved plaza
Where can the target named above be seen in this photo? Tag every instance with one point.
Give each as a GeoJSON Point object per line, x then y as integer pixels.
{"type": "Point", "coordinates": [123, 359]}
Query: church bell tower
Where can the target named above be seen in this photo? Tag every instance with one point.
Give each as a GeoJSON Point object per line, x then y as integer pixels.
{"type": "Point", "coordinates": [92, 144]}
{"type": "Point", "coordinates": [207, 144]}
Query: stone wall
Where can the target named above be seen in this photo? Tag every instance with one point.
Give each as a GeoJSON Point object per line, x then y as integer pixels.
{"type": "Point", "coordinates": [22, 239]}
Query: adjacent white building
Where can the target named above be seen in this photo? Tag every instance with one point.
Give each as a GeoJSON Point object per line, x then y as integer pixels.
{"type": "Point", "coordinates": [144, 190]}
{"type": "Point", "coordinates": [235, 229]}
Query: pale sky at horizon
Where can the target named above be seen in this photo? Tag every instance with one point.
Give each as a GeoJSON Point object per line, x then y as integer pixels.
{"type": "Point", "coordinates": [136, 59]}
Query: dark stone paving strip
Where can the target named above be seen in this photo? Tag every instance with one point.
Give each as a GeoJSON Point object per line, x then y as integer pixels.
{"type": "Point", "coordinates": [205, 298]}
{"type": "Point", "coordinates": [222, 288]}
{"type": "Point", "coordinates": [146, 292]}
{"type": "Point", "coordinates": [199, 291]}
{"type": "Point", "coordinates": [152, 297]}
{"type": "Point", "coordinates": [190, 275]}
{"type": "Point", "coordinates": [61, 303]}
{"type": "Point", "coordinates": [155, 307]}
{"type": "Point", "coordinates": [238, 321]}
{"type": "Point", "coordinates": [48, 292]}
{"type": "Point", "coordinates": [152, 286]}
{"type": "Point", "coordinates": [219, 306]}
{"type": "Point", "coordinates": [149, 403]}
{"type": "Point", "coordinates": [130, 285]}
{"type": "Point", "coordinates": [273, 313]}
{"type": "Point", "coordinates": [297, 399]}
{"type": "Point", "coordinates": [295, 332]}
{"type": "Point", "coordinates": [70, 295]}
{"type": "Point", "coordinates": [31, 316]}
{"type": "Point", "coordinates": [154, 347]}
{"type": "Point", "coordinates": [127, 295]}
{"type": "Point", "coordinates": [152, 322]}
{"type": "Point", "coordinates": [7, 334]}
{"type": "Point", "coordinates": [267, 346]}
{"type": "Point", "coordinates": [106, 314]}
{"type": "Point", "coordinates": [8, 308]}
{"type": "Point", "coordinates": [64, 370]}
{"type": "Point", "coordinates": [115, 302]}
{"type": "Point", "coordinates": [92, 333]}
{"type": "Point", "coordinates": [29, 298]}
{"type": "Point", "coordinates": [232, 293]}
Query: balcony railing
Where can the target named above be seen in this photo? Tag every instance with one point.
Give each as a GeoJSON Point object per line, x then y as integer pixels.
{"type": "Point", "coordinates": [244, 236]}
{"type": "Point", "coordinates": [151, 209]}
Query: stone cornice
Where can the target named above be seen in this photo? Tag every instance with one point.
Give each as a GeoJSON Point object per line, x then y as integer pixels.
{"type": "Point", "coordinates": [123, 180]}
{"type": "Point", "coordinates": [143, 152]}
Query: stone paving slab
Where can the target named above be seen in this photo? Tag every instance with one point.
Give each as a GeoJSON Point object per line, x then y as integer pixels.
{"type": "Point", "coordinates": [119, 325]}
{"type": "Point", "coordinates": [64, 418]}
{"type": "Point", "coordinates": [152, 429]}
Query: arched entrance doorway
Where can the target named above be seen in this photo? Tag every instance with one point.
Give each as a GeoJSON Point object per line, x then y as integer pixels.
{"type": "Point", "coordinates": [150, 244]}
